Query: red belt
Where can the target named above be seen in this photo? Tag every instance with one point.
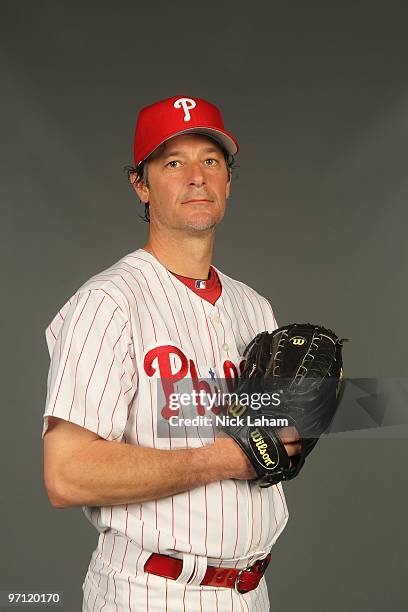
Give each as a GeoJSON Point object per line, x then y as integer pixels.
{"type": "Point", "coordinates": [242, 580]}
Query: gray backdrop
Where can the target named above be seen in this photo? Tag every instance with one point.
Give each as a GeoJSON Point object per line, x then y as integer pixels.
{"type": "Point", "coordinates": [316, 94]}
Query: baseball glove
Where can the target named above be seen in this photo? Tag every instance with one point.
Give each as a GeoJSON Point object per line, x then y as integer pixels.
{"type": "Point", "coordinates": [293, 377]}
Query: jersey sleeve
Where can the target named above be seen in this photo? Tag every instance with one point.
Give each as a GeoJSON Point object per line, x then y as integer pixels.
{"type": "Point", "coordinates": [92, 377]}
{"type": "Point", "coordinates": [269, 315]}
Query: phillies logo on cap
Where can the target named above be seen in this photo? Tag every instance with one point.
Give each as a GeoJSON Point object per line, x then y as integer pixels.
{"type": "Point", "coordinates": [186, 104]}
{"type": "Point", "coordinates": [175, 116]}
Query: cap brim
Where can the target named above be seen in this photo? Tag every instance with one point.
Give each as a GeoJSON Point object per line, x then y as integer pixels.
{"type": "Point", "coordinates": [225, 139]}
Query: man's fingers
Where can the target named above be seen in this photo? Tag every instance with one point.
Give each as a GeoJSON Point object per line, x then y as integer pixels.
{"type": "Point", "coordinates": [293, 449]}
{"type": "Point", "coordinates": [288, 434]}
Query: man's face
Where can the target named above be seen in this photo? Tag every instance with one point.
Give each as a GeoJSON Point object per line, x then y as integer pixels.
{"type": "Point", "coordinates": [188, 184]}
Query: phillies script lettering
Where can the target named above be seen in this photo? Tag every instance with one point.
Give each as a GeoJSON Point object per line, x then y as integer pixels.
{"type": "Point", "coordinates": [158, 363]}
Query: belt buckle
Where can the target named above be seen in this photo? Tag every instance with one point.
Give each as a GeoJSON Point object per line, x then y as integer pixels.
{"type": "Point", "coordinates": [260, 566]}
{"type": "Point", "coordinates": [263, 563]}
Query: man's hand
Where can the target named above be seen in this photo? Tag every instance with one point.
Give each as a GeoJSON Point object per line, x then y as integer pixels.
{"type": "Point", "coordinates": [236, 463]}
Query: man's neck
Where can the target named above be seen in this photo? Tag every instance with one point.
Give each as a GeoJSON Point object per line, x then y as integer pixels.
{"type": "Point", "coordinates": [184, 255]}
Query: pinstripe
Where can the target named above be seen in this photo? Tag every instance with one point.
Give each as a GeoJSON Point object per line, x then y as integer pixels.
{"type": "Point", "coordinates": [251, 306]}
{"type": "Point", "coordinates": [246, 320]}
{"type": "Point", "coordinates": [106, 383]}
{"type": "Point", "coordinates": [66, 360]}
{"type": "Point", "coordinates": [92, 372]}
{"type": "Point", "coordinates": [153, 269]}
{"type": "Point", "coordinates": [131, 292]}
{"type": "Point", "coordinates": [226, 310]}
{"type": "Point", "coordinates": [106, 591]}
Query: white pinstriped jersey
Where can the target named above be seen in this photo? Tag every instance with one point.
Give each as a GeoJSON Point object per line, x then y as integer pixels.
{"type": "Point", "coordinates": [122, 329]}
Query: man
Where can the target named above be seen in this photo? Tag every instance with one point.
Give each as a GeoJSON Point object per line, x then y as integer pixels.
{"type": "Point", "coordinates": [179, 517]}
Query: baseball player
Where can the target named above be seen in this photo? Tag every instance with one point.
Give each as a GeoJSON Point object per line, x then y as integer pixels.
{"type": "Point", "coordinates": [182, 522]}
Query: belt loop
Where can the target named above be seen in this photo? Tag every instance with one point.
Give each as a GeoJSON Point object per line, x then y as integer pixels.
{"type": "Point", "coordinates": [200, 569]}
{"type": "Point", "coordinates": [188, 567]}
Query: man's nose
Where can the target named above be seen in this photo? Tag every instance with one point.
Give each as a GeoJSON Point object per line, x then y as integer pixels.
{"type": "Point", "coordinates": [196, 174]}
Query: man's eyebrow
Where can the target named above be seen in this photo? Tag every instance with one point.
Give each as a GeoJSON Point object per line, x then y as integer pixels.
{"type": "Point", "coordinates": [206, 150]}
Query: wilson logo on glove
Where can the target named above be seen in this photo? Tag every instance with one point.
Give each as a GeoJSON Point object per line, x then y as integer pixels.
{"type": "Point", "coordinates": [260, 443]}
{"type": "Point", "coordinates": [298, 341]}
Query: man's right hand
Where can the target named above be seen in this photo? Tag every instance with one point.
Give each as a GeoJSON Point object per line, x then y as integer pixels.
{"type": "Point", "coordinates": [237, 464]}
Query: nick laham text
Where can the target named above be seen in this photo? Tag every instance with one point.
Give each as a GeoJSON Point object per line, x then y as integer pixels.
{"type": "Point", "coordinates": [225, 420]}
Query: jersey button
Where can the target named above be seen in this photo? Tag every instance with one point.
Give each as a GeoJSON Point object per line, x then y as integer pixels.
{"type": "Point", "coordinates": [225, 347]}
{"type": "Point", "coordinates": [216, 319]}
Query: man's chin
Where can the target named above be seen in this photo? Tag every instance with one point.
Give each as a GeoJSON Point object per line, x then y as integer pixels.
{"type": "Point", "coordinates": [200, 223]}
{"type": "Point", "coordinates": [198, 226]}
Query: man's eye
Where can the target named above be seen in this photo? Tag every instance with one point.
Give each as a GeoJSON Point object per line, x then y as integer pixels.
{"type": "Point", "coordinates": [211, 159]}
{"type": "Point", "coordinates": [173, 161]}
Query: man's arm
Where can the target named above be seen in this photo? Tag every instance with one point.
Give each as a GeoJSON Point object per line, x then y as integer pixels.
{"type": "Point", "coordinates": [82, 469]}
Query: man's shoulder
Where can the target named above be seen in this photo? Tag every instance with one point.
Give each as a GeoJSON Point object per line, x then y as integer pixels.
{"type": "Point", "coordinates": [116, 280]}
{"type": "Point", "coordinates": [112, 282]}
{"type": "Point", "coordinates": [252, 301]}
{"type": "Point", "coordinates": [105, 292]}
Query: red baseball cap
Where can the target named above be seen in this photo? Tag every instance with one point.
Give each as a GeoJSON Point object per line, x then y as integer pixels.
{"type": "Point", "coordinates": [179, 115]}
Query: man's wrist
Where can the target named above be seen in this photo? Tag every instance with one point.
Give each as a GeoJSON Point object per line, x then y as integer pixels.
{"type": "Point", "coordinates": [213, 461]}
{"type": "Point", "coordinates": [229, 460]}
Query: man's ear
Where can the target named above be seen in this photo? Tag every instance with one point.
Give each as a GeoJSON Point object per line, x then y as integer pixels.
{"type": "Point", "coordinates": [228, 189]}
{"type": "Point", "coordinates": [141, 189]}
